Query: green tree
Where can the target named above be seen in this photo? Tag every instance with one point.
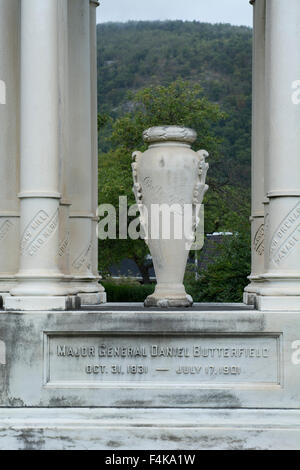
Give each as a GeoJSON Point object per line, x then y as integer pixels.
{"type": "Point", "coordinates": [180, 103]}
{"type": "Point", "coordinates": [226, 278]}
{"type": "Point", "coordinates": [135, 55]}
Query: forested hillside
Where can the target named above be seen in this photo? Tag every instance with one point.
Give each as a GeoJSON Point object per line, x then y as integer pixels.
{"type": "Point", "coordinates": [138, 54]}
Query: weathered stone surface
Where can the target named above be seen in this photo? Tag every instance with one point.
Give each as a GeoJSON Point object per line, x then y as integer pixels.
{"type": "Point", "coordinates": [39, 303]}
{"type": "Point", "coordinates": [95, 298]}
{"type": "Point", "coordinates": [227, 359]}
{"type": "Point", "coordinates": [125, 429]}
{"type": "Point", "coordinates": [144, 379]}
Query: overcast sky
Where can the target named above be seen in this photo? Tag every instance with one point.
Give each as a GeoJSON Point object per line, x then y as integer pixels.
{"type": "Point", "coordinates": [237, 12]}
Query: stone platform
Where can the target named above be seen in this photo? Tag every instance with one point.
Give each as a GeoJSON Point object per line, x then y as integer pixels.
{"type": "Point", "coordinates": [148, 429]}
{"type": "Point", "coordinates": [215, 376]}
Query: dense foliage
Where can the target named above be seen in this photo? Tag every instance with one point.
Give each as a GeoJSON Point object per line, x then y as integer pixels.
{"type": "Point", "coordinates": [225, 279]}
{"type": "Point", "coordinates": [186, 73]}
{"type": "Point", "coordinates": [135, 55]}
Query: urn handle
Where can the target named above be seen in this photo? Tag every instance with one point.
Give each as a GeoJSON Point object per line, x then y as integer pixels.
{"type": "Point", "coordinates": [137, 190]}
{"type": "Point", "coordinates": [199, 191]}
{"type": "Point", "coordinates": [201, 187]}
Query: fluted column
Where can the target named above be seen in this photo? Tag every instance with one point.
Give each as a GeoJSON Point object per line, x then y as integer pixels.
{"type": "Point", "coordinates": [80, 168]}
{"type": "Point", "coordinates": [65, 203]}
{"type": "Point", "coordinates": [94, 146]}
{"type": "Point", "coordinates": [258, 151]}
{"type": "Point", "coordinates": [9, 142]}
{"type": "Point", "coordinates": [281, 291]}
{"type": "Point", "coordinates": [40, 285]}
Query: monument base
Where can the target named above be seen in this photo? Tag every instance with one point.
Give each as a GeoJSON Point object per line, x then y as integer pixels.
{"type": "Point", "coordinates": [250, 292]}
{"type": "Point", "coordinates": [41, 303]}
{"type": "Point", "coordinates": [96, 298]}
{"type": "Point", "coordinates": [249, 298]}
{"type": "Point", "coordinates": [215, 376]}
{"type": "Point", "coordinates": [288, 303]}
{"type": "Point", "coordinates": [3, 296]}
{"type": "Point", "coordinates": [142, 429]}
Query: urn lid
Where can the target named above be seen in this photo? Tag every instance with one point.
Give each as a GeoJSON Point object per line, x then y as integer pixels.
{"type": "Point", "coordinates": [169, 133]}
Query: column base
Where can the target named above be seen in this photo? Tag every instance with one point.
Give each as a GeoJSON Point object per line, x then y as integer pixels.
{"type": "Point", "coordinates": [251, 291]}
{"type": "Point", "coordinates": [39, 303]}
{"type": "Point", "coordinates": [95, 298]}
{"type": "Point", "coordinates": [6, 285]}
{"type": "Point", "coordinates": [86, 285]}
{"type": "Point", "coordinates": [3, 296]}
{"type": "Point", "coordinates": [249, 298]}
{"type": "Point", "coordinates": [277, 303]}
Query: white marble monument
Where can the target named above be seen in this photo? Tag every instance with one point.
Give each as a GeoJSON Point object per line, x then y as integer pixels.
{"type": "Point", "coordinates": [214, 376]}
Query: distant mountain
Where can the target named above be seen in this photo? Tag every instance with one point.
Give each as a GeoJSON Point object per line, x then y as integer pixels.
{"type": "Point", "coordinates": [134, 55]}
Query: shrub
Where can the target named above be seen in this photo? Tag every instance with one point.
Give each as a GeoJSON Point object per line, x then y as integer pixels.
{"type": "Point", "coordinates": [127, 292]}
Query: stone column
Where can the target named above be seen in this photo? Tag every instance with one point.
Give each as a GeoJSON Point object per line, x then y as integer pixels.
{"type": "Point", "coordinates": [281, 291]}
{"type": "Point", "coordinates": [40, 285]}
{"type": "Point", "coordinates": [101, 296]}
{"type": "Point", "coordinates": [9, 142]}
{"type": "Point", "coordinates": [80, 184]}
{"type": "Point", "coordinates": [65, 203]}
{"type": "Point", "coordinates": [258, 151]}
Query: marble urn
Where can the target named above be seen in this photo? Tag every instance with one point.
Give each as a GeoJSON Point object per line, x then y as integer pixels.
{"type": "Point", "coordinates": [169, 186]}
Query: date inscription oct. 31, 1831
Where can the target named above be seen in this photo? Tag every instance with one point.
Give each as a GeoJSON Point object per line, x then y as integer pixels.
{"type": "Point", "coordinates": [152, 360]}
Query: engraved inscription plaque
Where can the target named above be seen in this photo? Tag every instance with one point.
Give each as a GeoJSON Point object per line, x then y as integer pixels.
{"type": "Point", "coordinates": [258, 241]}
{"type": "Point", "coordinates": [286, 236]}
{"type": "Point", "coordinates": [155, 361]}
